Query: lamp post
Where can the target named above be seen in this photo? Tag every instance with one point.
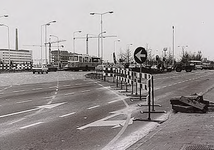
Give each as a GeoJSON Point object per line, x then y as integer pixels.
{"type": "Point", "coordinates": [74, 39]}
{"type": "Point", "coordinates": [5, 16]}
{"type": "Point", "coordinates": [99, 45]}
{"type": "Point", "coordinates": [8, 36]}
{"type": "Point", "coordinates": [47, 24]}
{"type": "Point", "coordinates": [57, 47]}
{"type": "Point", "coordinates": [115, 45]}
{"type": "Point", "coordinates": [101, 23]}
{"type": "Point", "coordinates": [173, 45]}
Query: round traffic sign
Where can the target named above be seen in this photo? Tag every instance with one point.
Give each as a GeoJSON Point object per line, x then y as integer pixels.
{"type": "Point", "coordinates": [140, 55]}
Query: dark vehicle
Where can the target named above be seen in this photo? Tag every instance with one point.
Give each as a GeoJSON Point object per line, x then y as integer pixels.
{"type": "Point", "coordinates": [52, 68]}
{"type": "Point", "coordinates": [188, 67]}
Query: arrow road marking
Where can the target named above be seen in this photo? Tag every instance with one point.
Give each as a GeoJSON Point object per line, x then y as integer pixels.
{"type": "Point", "coordinates": [114, 123]}
{"type": "Point", "coordinates": [139, 55]}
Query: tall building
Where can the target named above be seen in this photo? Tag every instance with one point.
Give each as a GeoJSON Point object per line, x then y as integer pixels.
{"type": "Point", "coordinates": [15, 56]}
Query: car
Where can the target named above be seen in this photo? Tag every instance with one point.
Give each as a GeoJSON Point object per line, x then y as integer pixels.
{"type": "Point", "coordinates": [100, 67]}
{"type": "Point", "coordinates": [40, 69]}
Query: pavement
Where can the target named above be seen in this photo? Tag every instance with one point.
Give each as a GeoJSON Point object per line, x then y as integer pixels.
{"type": "Point", "coordinates": [182, 131]}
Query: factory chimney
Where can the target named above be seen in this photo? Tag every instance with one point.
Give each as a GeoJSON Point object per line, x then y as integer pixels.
{"type": "Point", "coordinates": [17, 42]}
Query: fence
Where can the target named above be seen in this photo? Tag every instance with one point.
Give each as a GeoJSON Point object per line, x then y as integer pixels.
{"type": "Point", "coordinates": [15, 67]}
{"type": "Point", "coordinates": [137, 81]}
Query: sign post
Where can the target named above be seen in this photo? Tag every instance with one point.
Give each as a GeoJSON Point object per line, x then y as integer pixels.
{"type": "Point", "coordinates": [140, 56]}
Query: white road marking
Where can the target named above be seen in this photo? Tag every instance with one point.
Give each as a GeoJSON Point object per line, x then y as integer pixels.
{"type": "Point", "coordinates": [49, 106]}
{"type": "Point", "coordinates": [85, 91]}
{"type": "Point", "coordinates": [66, 85]}
{"type": "Point", "coordinates": [37, 89]}
{"type": "Point", "coordinates": [69, 94]}
{"type": "Point", "coordinates": [20, 112]}
{"type": "Point", "coordinates": [93, 107]}
{"type": "Point", "coordinates": [31, 125]}
{"type": "Point", "coordinates": [23, 101]}
{"type": "Point", "coordinates": [52, 87]}
{"type": "Point", "coordinates": [18, 91]}
{"type": "Point", "coordinates": [67, 114]}
{"type": "Point", "coordinates": [114, 101]}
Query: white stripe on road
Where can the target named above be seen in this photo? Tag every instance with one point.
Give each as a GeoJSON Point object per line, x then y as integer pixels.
{"type": "Point", "coordinates": [67, 114]}
{"type": "Point", "coordinates": [18, 91]}
{"type": "Point", "coordinates": [66, 85]}
{"type": "Point", "coordinates": [69, 94]}
{"type": "Point", "coordinates": [23, 101]}
{"type": "Point", "coordinates": [37, 89]}
{"type": "Point", "coordinates": [93, 107]}
{"type": "Point", "coordinates": [20, 112]}
{"type": "Point", "coordinates": [85, 91]}
{"type": "Point", "coordinates": [31, 125]}
{"type": "Point", "coordinates": [114, 101]}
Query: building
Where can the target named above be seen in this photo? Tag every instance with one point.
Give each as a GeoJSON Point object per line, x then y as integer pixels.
{"type": "Point", "coordinates": [60, 57]}
{"type": "Point", "coordinates": [15, 56]}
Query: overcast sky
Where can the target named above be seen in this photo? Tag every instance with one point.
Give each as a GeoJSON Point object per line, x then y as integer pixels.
{"type": "Point", "coordinates": [137, 22]}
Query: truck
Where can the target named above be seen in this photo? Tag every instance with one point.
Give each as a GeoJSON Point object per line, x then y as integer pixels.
{"type": "Point", "coordinates": [40, 69]}
{"type": "Point", "coordinates": [188, 67]}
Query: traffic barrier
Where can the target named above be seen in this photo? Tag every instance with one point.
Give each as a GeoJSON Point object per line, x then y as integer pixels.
{"type": "Point", "coordinates": [139, 81]}
{"type": "Point", "coordinates": [18, 67]}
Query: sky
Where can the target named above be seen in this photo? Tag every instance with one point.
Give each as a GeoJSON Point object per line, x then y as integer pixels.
{"type": "Point", "coordinates": [136, 23]}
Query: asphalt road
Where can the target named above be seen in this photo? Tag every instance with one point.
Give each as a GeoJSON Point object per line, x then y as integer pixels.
{"type": "Point", "coordinates": [64, 110]}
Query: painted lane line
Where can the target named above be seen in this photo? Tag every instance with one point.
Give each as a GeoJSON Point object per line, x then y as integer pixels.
{"type": "Point", "coordinates": [24, 101]}
{"type": "Point", "coordinates": [66, 85]}
{"type": "Point", "coordinates": [20, 112]}
{"type": "Point", "coordinates": [114, 101]}
{"type": "Point", "coordinates": [93, 107]}
{"type": "Point", "coordinates": [67, 114]}
{"type": "Point", "coordinates": [52, 87]}
{"type": "Point", "coordinates": [31, 125]}
{"type": "Point", "coordinates": [69, 94]}
{"type": "Point", "coordinates": [18, 91]}
{"type": "Point", "coordinates": [85, 91]}
{"type": "Point", "coordinates": [37, 89]}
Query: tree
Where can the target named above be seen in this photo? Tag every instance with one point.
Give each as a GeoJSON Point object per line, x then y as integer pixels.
{"type": "Point", "coordinates": [126, 58]}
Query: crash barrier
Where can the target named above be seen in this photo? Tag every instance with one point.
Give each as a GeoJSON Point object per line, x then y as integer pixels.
{"type": "Point", "coordinates": [15, 67]}
{"type": "Point", "coordinates": [137, 81]}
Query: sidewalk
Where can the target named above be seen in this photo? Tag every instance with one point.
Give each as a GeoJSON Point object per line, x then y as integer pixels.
{"type": "Point", "coordinates": [182, 131]}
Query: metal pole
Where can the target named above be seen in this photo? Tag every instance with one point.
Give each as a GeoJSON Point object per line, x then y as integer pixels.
{"type": "Point", "coordinates": [173, 44]}
{"type": "Point", "coordinates": [46, 44]}
{"type": "Point", "coordinates": [140, 80]}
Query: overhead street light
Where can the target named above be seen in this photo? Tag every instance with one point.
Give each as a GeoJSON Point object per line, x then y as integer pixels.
{"type": "Point", "coordinates": [5, 16]}
{"type": "Point", "coordinates": [99, 44]}
{"type": "Point", "coordinates": [47, 24]}
{"type": "Point", "coordinates": [8, 36]}
{"type": "Point", "coordinates": [101, 23]}
{"type": "Point", "coordinates": [57, 47]}
{"type": "Point", "coordinates": [74, 39]}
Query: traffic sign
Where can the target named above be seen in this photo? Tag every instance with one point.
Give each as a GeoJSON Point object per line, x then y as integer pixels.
{"type": "Point", "coordinates": [140, 55]}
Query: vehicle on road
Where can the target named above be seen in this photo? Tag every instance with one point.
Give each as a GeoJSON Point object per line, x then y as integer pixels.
{"type": "Point", "coordinates": [82, 62]}
{"type": "Point", "coordinates": [40, 69]}
{"type": "Point", "coordinates": [197, 64]}
{"type": "Point", "coordinates": [188, 67]}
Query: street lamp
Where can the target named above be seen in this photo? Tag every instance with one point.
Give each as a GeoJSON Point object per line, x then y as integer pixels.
{"type": "Point", "coordinates": [5, 16]}
{"type": "Point", "coordinates": [47, 24]}
{"type": "Point", "coordinates": [101, 23]}
{"type": "Point", "coordinates": [8, 36]}
{"type": "Point", "coordinates": [74, 39]}
{"type": "Point", "coordinates": [173, 44]}
{"type": "Point", "coordinates": [99, 45]}
{"type": "Point", "coordinates": [57, 47]}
